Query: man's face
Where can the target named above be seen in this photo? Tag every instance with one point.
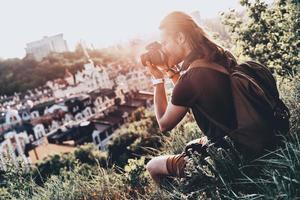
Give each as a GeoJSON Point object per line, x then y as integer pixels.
{"type": "Point", "coordinates": [172, 47]}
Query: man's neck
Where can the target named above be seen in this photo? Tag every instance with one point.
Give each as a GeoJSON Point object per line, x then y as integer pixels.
{"type": "Point", "coordinates": [187, 52]}
{"type": "Point", "coordinates": [190, 56]}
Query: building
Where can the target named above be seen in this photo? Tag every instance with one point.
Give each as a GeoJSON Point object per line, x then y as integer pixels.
{"type": "Point", "coordinates": [196, 16]}
{"type": "Point", "coordinates": [92, 77]}
{"type": "Point", "coordinates": [41, 48]}
{"type": "Point", "coordinates": [138, 80]}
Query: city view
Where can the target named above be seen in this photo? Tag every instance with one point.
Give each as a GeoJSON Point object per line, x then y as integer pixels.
{"type": "Point", "coordinates": [105, 100]}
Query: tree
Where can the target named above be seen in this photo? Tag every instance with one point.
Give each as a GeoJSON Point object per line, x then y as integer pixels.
{"type": "Point", "coordinates": [269, 34]}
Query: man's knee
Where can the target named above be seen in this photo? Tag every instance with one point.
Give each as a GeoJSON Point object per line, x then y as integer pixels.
{"type": "Point", "coordinates": [157, 165]}
{"type": "Point", "coordinates": [152, 166]}
{"type": "Point", "coordinates": [149, 166]}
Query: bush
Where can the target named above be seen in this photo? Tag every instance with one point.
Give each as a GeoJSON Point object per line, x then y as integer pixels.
{"type": "Point", "coordinates": [136, 177]}
{"type": "Point", "coordinates": [139, 138]}
{"type": "Point", "coordinates": [101, 184]}
{"type": "Point", "coordinates": [52, 165]}
{"type": "Point", "coordinates": [268, 34]}
{"type": "Point", "coordinates": [90, 155]}
{"type": "Point", "coordinates": [16, 181]}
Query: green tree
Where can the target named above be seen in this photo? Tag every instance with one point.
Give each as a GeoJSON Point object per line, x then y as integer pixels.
{"type": "Point", "coordinates": [268, 33]}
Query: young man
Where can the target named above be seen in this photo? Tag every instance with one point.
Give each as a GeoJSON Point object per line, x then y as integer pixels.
{"type": "Point", "coordinates": [204, 84]}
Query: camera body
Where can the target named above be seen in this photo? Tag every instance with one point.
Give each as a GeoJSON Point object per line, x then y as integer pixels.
{"type": "Point", "coordinates": [155, 55]}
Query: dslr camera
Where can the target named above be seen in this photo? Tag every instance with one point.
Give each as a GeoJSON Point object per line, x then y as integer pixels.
{"type": "Point", "coordinates": [154, 55]}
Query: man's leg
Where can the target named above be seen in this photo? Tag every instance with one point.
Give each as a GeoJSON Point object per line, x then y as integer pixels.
{"type": "Point", "coordinates": [157, 167]}
{"type": "Point", "coordinates": [166, 165]}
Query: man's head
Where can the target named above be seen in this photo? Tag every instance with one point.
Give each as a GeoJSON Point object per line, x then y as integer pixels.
{"type": "Point", "coordinates": [180, 35]}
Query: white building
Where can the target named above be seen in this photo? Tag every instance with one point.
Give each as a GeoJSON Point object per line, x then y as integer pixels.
{"type": "Point", "coordinates": [93, 77]}
{"type": "Point", "coordinates": [90, 78]}
{"type": "Point", "coordinates": [13, 147]}
{"type": "Point", "coordinates": [9, 118]}
{"type": "Point", "coordinates": [138, 80]}
{"type": "Point", "coordinates": [41, 48]}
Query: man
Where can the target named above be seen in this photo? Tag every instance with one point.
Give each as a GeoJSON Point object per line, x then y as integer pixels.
{"type": "Point", "coordinates": [205, 86]}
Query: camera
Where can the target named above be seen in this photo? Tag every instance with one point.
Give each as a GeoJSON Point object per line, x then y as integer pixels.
{"type": "Point", "coordinates": [155, 55]}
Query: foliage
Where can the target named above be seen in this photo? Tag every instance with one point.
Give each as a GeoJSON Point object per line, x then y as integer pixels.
{"type": "Point", "coordinates": [224, 174]}
{"type": "Point", "coordinates": [135, 139]}
{"type": "Point", "coordinates": [269, 34]}
{"type": "Point", "coordinates": [136, 177]}
{"type": "Point", "coordinates": [52, 165]}
{"type": "Point", "coordinates": [98, 184]}
{"type": "Point", "coordinates": [90, 155]}
{"type": "Point", "coordinates": [16, 181]}
{"type": "Point", "coordinates": [290, 93]}
{"type": "Point", "coordinates": [184, 132]}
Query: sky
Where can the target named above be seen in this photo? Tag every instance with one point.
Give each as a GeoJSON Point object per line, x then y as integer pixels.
{"type": "Point", "coordinates": [98, 22]}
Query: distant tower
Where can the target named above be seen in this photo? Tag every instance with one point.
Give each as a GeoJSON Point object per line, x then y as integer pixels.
{"type": "Point", "coordinates": [196, 16]}
{"type": "Point", "coordinates": [84, 48]}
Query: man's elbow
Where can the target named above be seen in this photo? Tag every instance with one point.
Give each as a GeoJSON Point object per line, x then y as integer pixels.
{"type": "Point", "coordinates": [164, 128]}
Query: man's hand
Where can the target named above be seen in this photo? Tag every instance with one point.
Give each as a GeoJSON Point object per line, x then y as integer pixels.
{"type": "Point", "coordinates": [203, 140]}
{"type": "Point", "coordinates": [196, 145]}
{"type": "Point", "coordinates": [159, 71]}
{"type": "Point", "coordinates": [154, 71]}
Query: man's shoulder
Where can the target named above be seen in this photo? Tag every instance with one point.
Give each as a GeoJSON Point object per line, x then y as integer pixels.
{"type": "Point", "coordinates": [200, 72]}
{"type": "Point", "coordinates": [208, 67]}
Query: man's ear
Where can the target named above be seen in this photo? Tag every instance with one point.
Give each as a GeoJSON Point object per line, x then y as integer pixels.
{"type": "Point", "coordinates": [180, 38]}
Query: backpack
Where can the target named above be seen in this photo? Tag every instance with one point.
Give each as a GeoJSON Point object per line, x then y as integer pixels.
{"type": "Point", "coordinates": [266, 91]}
{"type": "Point", "coordinates": [261, 115]}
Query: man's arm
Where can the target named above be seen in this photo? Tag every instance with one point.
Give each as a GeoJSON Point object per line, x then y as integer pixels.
{"type": "Point", "coordinates": [175, 78]}
{"type": "Point", "coordinates": [172, 74]}
{"type": "Point", "coordinates": [167, 115]}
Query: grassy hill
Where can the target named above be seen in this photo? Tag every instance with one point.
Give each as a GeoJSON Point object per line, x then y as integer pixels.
{"type": "Point", "coordinates": [120, 173]}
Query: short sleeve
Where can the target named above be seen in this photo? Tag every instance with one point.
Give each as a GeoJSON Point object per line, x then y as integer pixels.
{"type": "Point", "coordinates": [183, 93]}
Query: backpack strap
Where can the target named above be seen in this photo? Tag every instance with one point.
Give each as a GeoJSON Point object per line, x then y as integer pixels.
{"type": "Point", "coordinates": [273, 102]}
{"type": "Point", "coordinates": [199, 63]}
{"type": "Point", "coordinates": [213, 66]}
{"type": "Point", "coordinates": [221, 69]}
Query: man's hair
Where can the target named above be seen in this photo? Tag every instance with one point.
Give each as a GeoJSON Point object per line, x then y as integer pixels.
{"type": "Point", "coordinates": [197, 39]}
